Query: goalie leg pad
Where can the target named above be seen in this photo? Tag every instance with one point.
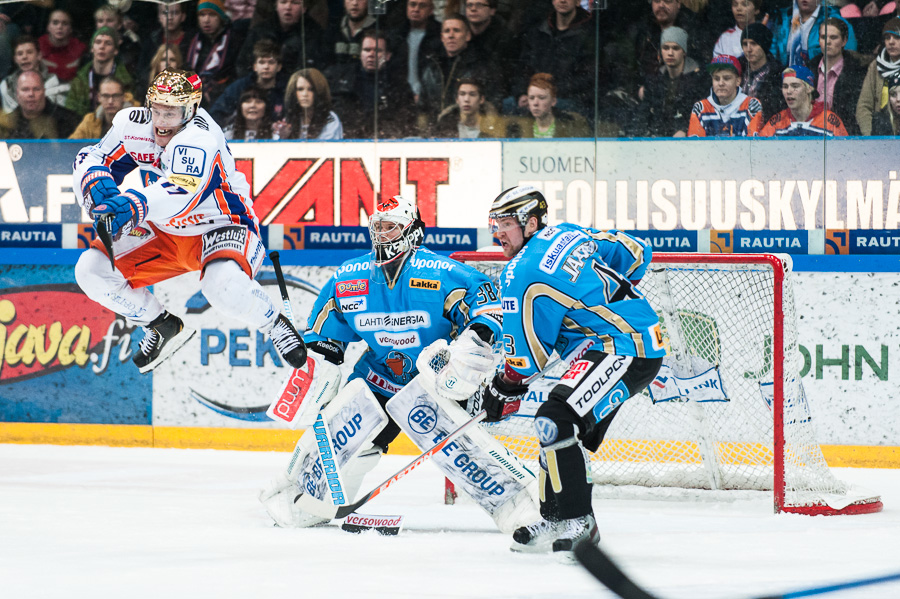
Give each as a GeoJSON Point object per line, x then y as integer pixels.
{"type": "Point", "coordinates": [476, 462]}
{"type": "Point", "coordinates": [353, 418]}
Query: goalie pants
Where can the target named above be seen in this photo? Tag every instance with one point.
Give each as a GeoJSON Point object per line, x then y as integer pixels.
{"type": "Point", "coordinates": [581, 407]}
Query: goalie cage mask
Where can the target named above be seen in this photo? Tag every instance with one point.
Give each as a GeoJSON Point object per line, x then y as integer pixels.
{"type": "Point", "coordinates": [395, 229]}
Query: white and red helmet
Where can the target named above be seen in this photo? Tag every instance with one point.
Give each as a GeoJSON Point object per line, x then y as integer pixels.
{"type": "Point", "coordinates": [395, 229]}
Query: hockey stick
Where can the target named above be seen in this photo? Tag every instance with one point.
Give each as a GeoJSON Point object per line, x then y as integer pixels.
{"type": "Point", "coordinates": [324, 510]}
{"type": "Point", "coordinates": [282, 287]}
{"type": "Point", "coordinates": [105, 237]}
{"type": "Point", "coordinates": [603, 569]}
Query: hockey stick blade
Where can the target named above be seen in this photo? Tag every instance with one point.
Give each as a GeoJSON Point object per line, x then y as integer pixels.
{"type": "Point", "coordinates": [324, 509]}
{"type": "Point", "coordinates": [603, 569]}
{"type": "Point", "coordinates": [282, 286]}
{"type": "Point", "coordinates": [105, 237]}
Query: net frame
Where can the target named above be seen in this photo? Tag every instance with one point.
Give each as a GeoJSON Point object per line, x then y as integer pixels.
{"type": "Point", "coordinates": [786, 481]}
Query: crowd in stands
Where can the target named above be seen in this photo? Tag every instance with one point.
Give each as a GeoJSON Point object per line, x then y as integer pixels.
{"type": "Point", "coordinates": [328, 69]}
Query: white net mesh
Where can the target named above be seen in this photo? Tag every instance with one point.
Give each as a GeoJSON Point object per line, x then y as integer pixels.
{"type": "Point", "coordinates": [715, 315]}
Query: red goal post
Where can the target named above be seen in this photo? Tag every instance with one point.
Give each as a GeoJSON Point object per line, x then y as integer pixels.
{"type": "Point", "coordinates": [732, 315]}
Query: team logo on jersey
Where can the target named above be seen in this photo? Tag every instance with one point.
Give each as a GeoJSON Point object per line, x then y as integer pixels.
{"type": "Point", "coordinates": [232, 238]}
{"type": "Point", "coordinates": [189, 183]}
{"type": "Point", "coordinates": [374, 379]}
{"type": "Point", "coordinates": [576, 370]}
{"type": "Point", "coordinates": [352, 304]}
{"type": "Point", "coordinates": [548, 233]}
{"type": "Point", "coordinates": [518, 362]}
{"type": "Point", "coordinates": [425, 284]}
{"type": "Point", "coordinates": [398, 341]}
{"type": "Point", "coordinates": [352, 288]}
{"type": "Point", "coordinates": [188, 160]}
{"type": "Point", "coordinates": [393, 321]}
{"type": "Point", "coordinates": [510, 304]}
{"type": "Point", "coordinates": [559, 248]}
{"type": "Point", "coordinates": [400, 365]}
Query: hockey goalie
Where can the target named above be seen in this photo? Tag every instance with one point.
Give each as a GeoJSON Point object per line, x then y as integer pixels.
{"type": "Point", "coordinates": [429, 324]}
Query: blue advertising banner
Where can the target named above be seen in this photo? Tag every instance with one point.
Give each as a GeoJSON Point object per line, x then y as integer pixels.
{"type": "Point", "coordinates": [755, 242]}
{"type": "Point", "coordinates": [669, 241]}
{"type": "Point", "coordinates": [357, 238]}
{"type": "Point", "coordinates": [64, 358]}
{"type": "Point", "coordinates": [31, 236]}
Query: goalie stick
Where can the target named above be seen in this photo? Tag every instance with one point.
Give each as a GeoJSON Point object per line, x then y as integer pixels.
{"type": "Point", "coordinates": [324, 510]}
{"type": "Point", "coordinates": [603, 569]}
{"type": "Point", "coordinates": [282, 287]}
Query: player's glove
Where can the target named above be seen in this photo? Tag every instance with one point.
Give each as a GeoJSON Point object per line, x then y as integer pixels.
{"type": "Point", "coordinates": [97, 186]}
{"type": "Point", "coordinates": [501, 399]}
{"type": "Point", "coordinates": [125, 212]}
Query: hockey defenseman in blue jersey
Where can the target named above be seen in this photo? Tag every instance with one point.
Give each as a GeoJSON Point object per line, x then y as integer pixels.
{"type": "Point", "coordinates": [405, 303]}
{"type": "Point", "coordinates": [569, 289]}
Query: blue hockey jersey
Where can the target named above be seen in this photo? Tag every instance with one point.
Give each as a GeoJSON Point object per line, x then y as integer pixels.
{"type": "Point", "coordinates": [569, 285]}
{"type": "Point", "coordinates": [434, 298]}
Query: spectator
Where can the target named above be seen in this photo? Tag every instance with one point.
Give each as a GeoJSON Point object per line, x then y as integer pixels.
{"type": "Point", "coordinates": [307, 108]}
{"type": "Point", "coordinates": [267, 76]}
{"type": "Point", "coordinates": [370, 84]}
{"type": "Point", "coordinates": [35, 117]}
{"type": "Point", "coordinates": [418, 36]}
{"type": "Point", "coordinates": [82, 97]}
{"type": "Point", "coordinates": [645, 35]}
{"type": "Point", "coordinates": [455, 60]}
{"type": "Point", "coordinates": [802, 117]}
{"type": "Point", "coordinates": [301, 39]}
{"type": "Point", "coordinates": [491, 37]}
{"type": "Point", "coordinates": [887, 120]}
{"type": "Point", "coordinates": [113, 98]}
{"type": "Point", "coordinates": [165, 58]}
{"type": "Point", "coordinates": [838, 73]}
{"type": "Point", "coordinates": [665, 110]}
{"type": "Point", "coordinates": [345, 40]}
{"type": "Point", "coordinates": [471, 117]}
{"type": "Point", "coordinates": [173, 30]}
{"type": "Point", "coordinates": [60, 50]}
{"type": "Point", "coordinates": [213, 50]}
{"type": "Point", "coordinates": [129, 50]}
{"type": "Point", "coordinates": [27, 57]}
{"type": "Point", "coordinates": [745, 12]}
{"type": "Point", "coordinates": [761, 78]}
{"type": "Point", "coordinates": [563, 46]}
{"type": "Point", "coordinates": [252, 121]}
{"type": "Point", "coordinates": [870, 8]}
{"type": "Point", "coordinates": [239, 10]}
{"type": "Point", "coordinates": [545, 120]}
{"type": "Point", "coordinates": [727, 112]}
{"type": "Point", "coordinates": [796, 33]}
{"type": "Point", "coordinates": [873, 96]}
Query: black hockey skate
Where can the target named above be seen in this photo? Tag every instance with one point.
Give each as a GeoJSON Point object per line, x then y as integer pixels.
{"type": "Point", "coordinates": [162, 338]}
{"type": "Point", "coordinates": [574, 531]}
{"type": "Point", "coordinates": [288, 342]}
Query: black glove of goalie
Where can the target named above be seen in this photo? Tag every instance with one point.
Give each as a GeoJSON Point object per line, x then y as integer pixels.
{"type": "Point", "coordinates": [501, 399]}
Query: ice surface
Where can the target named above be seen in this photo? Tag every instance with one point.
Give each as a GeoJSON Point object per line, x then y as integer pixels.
{"type": "Point", "coordinates": [151, 523]}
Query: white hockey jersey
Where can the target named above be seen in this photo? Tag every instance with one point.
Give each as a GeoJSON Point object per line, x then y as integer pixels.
{"type": "Point", "coordinates": [191, 186]}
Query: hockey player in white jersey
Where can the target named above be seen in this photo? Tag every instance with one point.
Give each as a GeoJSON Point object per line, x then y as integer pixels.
{"type": "Point", "coordinates": [192, 213]}
{"type": "Point", "coordinates": [405, 302]}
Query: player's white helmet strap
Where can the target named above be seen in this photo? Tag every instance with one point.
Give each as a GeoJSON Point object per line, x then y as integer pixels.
{"type": "Point", "coordinates": [395, 229]}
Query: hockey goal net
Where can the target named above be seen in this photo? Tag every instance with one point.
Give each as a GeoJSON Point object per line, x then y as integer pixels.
{"type": "Point", "coordinates": [728, 411]}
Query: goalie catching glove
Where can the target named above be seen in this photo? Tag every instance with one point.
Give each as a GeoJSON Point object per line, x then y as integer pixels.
{"type": "Point", "coordinates": [456, 370]}
{"type": "Point", "coordinates": [501, 398]}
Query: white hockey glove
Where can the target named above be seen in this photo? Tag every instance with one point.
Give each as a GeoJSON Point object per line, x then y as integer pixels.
{"type": "Point", "coordinates": [456, 370]}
